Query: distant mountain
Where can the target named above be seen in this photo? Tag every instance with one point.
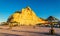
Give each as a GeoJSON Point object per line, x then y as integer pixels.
{"type": "Point", "coordinates": [25, 17]}
{"type": "Point", "coordinates": [53, 19]}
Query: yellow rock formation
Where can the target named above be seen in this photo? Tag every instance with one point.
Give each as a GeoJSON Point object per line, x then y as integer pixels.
{"type": "Point", "coordinates": [25, 17]}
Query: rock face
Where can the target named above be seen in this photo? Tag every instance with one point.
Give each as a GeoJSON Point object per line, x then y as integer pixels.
{"type": "Point", "coordinates": [25, 17]}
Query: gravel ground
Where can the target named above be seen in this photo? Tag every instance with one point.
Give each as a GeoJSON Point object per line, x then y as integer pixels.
{"type": "Point", "coordinates": [27, 31]}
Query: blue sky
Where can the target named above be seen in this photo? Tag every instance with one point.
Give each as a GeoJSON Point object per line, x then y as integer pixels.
{"type": "Point", "coordinates": [42, 8]}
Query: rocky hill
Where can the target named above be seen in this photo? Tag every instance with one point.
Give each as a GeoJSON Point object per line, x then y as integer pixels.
{"type": "Point", "coordinates": [25, 17]}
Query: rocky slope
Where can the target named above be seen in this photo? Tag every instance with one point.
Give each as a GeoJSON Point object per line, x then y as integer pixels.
{"type": "Point", "coordinates": [25, 17]}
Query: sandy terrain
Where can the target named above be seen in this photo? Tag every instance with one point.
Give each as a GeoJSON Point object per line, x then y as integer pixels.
{"type": "Point", "coordinates": [27, 31]}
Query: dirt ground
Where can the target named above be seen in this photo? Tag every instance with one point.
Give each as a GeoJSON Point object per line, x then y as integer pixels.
{"type": "Point", "coordinates": [27, 31]}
